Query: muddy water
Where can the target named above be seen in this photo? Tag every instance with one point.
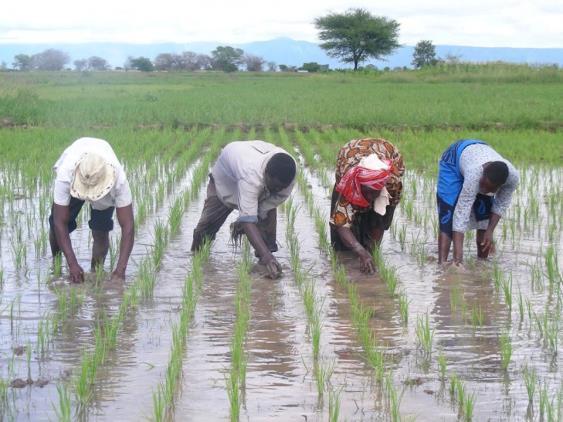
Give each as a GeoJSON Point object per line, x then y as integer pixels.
{"type": "Point", "coordinates": [280, 383]}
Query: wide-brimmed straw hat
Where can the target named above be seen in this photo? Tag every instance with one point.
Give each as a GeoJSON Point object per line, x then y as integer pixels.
{"type": "Point", "coordinates": [93, 178]}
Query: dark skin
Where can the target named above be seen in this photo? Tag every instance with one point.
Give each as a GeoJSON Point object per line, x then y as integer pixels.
{"type": "Point", "coordinates": [484, 238]}
{"type": "Point", "coordinates": [255, 237]}
{"type": "Point", "coordinates": [59, 239]}
{"type": "Point", "coordinates": [347, 236]}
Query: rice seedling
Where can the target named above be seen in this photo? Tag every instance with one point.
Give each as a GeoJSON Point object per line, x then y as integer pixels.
{"type": "Point", "coordinates": [57, 265]}
{"type": "Point", "coordinates": [63, 410]}
{"type": "Point", "coordinates": [442, 365]}
{"type": "Point", "coordinates": [404, 308]}
{"type": "Point", "coordinates": [456, 297]}
{"type": "Point", "coordinates": [333, 405]}
{"type": "Point", "coordinates": [323, 372]}
{"type": "Point", "coordinates": [424, 334]}
{"type": "Point", "coordinates": [530, 380]}
{"type": "Point", "coordinates": [393, 399]}
{"type": "Point", "coordinates": [505, 345]}
{"type": "Point", "coordinates": [552, 267]}
{"type": "Point", "coordinates": [477, 316]}
{"type": "Point", "coordinates": [506, 285]}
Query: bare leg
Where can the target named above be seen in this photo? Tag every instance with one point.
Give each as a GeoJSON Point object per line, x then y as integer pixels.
{"type": "Point", "coordinates": [479, 239]}
{"type": "Point", "coordinates": [100, 248]}
{"type": "Point", "coordinates": [444, 244]}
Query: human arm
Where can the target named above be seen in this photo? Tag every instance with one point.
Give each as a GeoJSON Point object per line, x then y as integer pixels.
{"type": "Point", "coordinates": [127, 223]}
{"type": "Point", "coordinates": [366, 261]}
{"type": "Point", "coordinates": [255, 238]}
{"type": "Point", "coordinates": [61, 217]}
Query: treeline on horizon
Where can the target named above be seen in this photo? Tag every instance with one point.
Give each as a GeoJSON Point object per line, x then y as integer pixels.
{"type": "Point", "coordinates": [229, 59]}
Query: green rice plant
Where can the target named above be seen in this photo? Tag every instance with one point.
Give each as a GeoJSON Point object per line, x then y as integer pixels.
{"type": "Point", "coordinates": [175, 217]}
{"type": "Point", "coordinates": [552, 267]}
{"type": "Point", "coordinates": [147, 278]}
{"type": "Point", "coordinates": [477, 316]}
{"type": "Point", "coordinates": [521, 306]}
{"type": "Point", "coordinates": [316, 327]}
{"type": "Point", "coordinates": [404, 308]}
{"type": "Point", "coordinates": [468, 406]}
{"type": "Point", "coordinates": [158, 406]}
{"type": "Point", "coordinates": [506, 286]}
{"type": "Point", "coordinates": [386, 272]}
{"type": "Point", "coordinates": [28, 360]}
{"type": "Point", "coordinates": [1, 278]}
{"type": "Point", "coordinates": [63, 410]}
{"type": "Point", "coordinates": [497, 276]}
{"type": "Point", "coordinates": [424, 334]}
{"type": "Point", "coordinates": [456, 297]}
{"type": "Point", "coordinates": [530, 380]}
{"type": "Point", "coordinates": [323, 372]}
{"type": "Point", "coordinates": [442, 365]}
{"type": "Point", "coordinates": [505, 345]}
{"type": "Point", "coordinates": [57, 265]}
{"type": "Point", "coordinates": [43, 335]}
{"type": "Point", "coordinates": [393, 399]}
{"type": "Point", "coordinates": [333, 405]}
{"type": "Point", "coordinates": [160, 242]}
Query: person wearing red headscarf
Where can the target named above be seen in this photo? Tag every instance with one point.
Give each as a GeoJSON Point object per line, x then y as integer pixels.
{"type": "Point", "coordinates": [367, 189]}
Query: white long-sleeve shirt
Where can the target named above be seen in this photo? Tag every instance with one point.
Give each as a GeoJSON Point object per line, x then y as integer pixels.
{"type": "Point", "coordinates": [239, 179]}
{"type": "Point", "coordinates": [471, 168]}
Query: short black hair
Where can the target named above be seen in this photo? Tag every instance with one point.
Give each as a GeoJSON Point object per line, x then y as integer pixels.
{"type": "Point", "coordinates": [496, 172]}
{"type": "Point", "coordinates": [281, 167]}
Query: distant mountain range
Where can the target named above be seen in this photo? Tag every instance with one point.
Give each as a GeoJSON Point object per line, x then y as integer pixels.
{"type": "Point", "coordinates": [283, 51]}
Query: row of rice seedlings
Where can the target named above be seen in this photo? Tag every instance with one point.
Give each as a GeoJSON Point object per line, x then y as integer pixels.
{"type": "Point", "coordinates": [505, 344]}
{"type": "Point", "coordinates": [360, 314]}
{"type": "Point", "coordinates": [465, 400]}
{"type": "Point", "coordinates": [163, 398]}
{"type": "Point", "coordinates": [313, 304]}
{"type": "Point", "coordinates": [236, 379]}
{"type": "Point", "coordinates": [106, 331]}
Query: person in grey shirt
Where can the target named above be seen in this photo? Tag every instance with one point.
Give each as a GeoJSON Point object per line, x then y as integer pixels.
{"type": "Point", "coordinates": [253, 177]}
{"type": "Point", "coordinates": [475, 187]}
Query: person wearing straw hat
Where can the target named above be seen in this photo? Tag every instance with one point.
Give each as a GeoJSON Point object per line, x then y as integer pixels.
{"type": "Point", "coordinates": [368, 188]}
{"type": "Point", "coordinates": [88, 170]}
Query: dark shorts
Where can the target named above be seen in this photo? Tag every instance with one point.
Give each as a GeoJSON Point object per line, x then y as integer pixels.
{"type": "Point", "coordinates": [481, 208]}
{"type": "Point", "coordinates": [100, 220]}
{"type": "Point", "coordinates": [363, 225]}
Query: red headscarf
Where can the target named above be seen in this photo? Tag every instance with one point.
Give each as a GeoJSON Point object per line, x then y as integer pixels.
{"type": "Point", "coordinates": [356, 177]}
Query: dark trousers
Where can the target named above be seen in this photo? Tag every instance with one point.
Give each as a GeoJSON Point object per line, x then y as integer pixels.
{"type": "Point", "coordinates": [214, 215]}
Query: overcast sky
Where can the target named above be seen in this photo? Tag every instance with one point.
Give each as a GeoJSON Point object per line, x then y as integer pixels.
{"type": "Point", "coordinates": [502, 23]}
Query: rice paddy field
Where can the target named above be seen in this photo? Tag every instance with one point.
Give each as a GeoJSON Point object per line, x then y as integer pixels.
{"type": "Point", "coordinates": [206, 336]}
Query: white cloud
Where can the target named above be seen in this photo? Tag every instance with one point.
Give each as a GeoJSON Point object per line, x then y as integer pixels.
{"type": "Point", "coordinates": [509, 23]}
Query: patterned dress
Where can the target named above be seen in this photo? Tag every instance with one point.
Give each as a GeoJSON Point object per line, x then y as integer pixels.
{"type": "Point", "coordinates": [342, 212]}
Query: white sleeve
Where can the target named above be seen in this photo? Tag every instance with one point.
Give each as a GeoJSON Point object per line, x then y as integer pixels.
{"type": "Point", "coordinates": [465, 201]}
{"type": "Point", "coordinates": [248, 195]}
{"type": "Point", "coordinates": [61, 194]}
{"type": "Point", "coordinates": [123, 195]}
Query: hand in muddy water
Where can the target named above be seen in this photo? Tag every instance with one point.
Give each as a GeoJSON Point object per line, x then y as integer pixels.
{"type": "Point", "coordinates": [76, 273]}
{"type": "Point", "coordinates": [273, 267]}
{"type": "Point", "coordinates": [366, 263]}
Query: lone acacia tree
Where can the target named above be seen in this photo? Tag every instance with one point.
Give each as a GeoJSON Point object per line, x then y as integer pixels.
{"type": "Point", "coordinates": [424, 54]}
{"type": "Point", "coordinates": [356, 35]}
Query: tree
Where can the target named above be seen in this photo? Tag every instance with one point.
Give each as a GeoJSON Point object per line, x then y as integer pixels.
{"type": "Point", "coordinates": [168, 61]}
{"type": "Point", "coordinates": [253, 63]}
{"type": "Point", "coordinates": [23, 62]}
{"type": "Point", "coordinates": [80, 64]}
{"type": "Point", "coordinates": [227, 59]}
{"type": "Point", "coordinates": [356, 35]}
{"type": "Point", "coordinates": [50, 59]}
{"type": "Point", "coordinates": [139, 63]}
{"type": "Point", "coordinates": [424, 54]}
{"type": "Point", "coordinates": [311, 67]}
{"type": "Point", "coordinates": [97, 63]}
{"type": "Point", "coordinates": [272, 67]}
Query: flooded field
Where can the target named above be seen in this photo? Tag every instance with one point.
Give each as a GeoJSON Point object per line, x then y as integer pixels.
{"type": "Point", "coordinates": [208, 337]}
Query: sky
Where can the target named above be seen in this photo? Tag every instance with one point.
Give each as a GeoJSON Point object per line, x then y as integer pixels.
{"type": "Point", "coordinates": [484, 23]}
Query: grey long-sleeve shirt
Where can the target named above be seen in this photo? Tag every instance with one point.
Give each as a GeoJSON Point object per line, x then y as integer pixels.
{"type": "Point", "coordinates": [471, 167]}
{"type": "Point", "coordinates": [239, 179]}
